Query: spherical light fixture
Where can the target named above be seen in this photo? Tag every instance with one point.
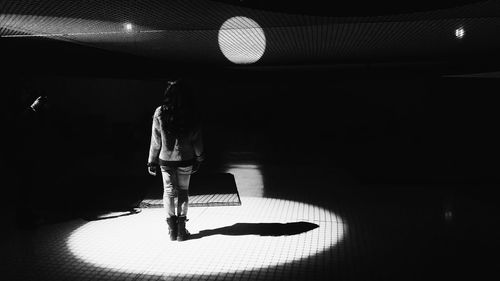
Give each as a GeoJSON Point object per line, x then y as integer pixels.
{"type": "Point", "coordinates": [242, 40]}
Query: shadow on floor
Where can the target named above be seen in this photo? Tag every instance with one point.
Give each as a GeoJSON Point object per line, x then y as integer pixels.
{"type": "Point", "coordinates": [206, 189]}
{"type": "Point", "coordinates": [104, 215]}
{"type": "Point", "coordinates": [262, 229]}
{"type": "Point", "coordinates": [213, 183]}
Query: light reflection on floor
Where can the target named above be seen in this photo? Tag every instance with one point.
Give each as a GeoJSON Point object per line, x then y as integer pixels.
{"type": "Point", "coordinates": [248, 179]}
{"type": "Point", "coordinates": [139, 244]}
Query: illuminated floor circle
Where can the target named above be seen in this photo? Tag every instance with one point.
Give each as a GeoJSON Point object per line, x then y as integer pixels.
{"type": "Point", "coordinates": [242, 40]}
{"type": "Point", "coordinates": [139, 243]}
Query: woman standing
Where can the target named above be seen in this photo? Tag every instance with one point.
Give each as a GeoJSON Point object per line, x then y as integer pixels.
{"type": "Point", "coordinates": [176, 146]}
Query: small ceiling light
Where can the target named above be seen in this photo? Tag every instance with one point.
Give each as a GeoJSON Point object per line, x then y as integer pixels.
{"type": "Point", "coordinates": [448, 215]}
{"type": "Point", "coordinates": [128, 26]}
{"type": "Point", "coordinates": [459, 33]}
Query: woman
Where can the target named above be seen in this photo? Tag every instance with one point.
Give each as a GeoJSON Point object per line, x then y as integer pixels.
{"type": "Point", "coordinates": [176, 146]}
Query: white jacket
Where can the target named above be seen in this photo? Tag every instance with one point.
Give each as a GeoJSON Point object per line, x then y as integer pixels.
{"type": "Point", "coordinates": [186, 148]}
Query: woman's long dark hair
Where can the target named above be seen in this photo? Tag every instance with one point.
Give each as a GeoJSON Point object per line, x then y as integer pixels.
{"type": "Point", "coordinates": [178, 114]}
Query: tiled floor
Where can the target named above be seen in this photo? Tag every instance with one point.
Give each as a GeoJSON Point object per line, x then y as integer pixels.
{"type": "Point", "coordinates": [207, 200]}
{"type": "Point", "coordinates": [281, 231]}
{"type": "Point", "coordinates": [261, 239]}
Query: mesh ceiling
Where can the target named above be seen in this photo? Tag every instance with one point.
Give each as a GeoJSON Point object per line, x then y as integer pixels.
{"type": "Point", "coordinates": [188, 30]}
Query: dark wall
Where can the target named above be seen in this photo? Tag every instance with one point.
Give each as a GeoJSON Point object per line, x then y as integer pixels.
{"type": "Point", "coordinates": [418, 130]}
{"type": "Point", "coordinates": [381, 130]}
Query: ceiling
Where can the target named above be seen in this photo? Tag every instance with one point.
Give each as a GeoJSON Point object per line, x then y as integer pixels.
{"type": "Point", "coordinates": [162, 36]}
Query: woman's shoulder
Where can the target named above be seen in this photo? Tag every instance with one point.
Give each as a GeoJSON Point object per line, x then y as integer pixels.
{"type": "Point", "coordinates": [158, 111]}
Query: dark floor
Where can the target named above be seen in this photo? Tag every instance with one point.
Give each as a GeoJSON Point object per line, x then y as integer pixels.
{"type": "Point", "coordinates": [365, 232]}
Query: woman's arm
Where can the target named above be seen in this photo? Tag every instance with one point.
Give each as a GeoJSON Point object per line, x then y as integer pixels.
{"type": "Point", "coordinates": [155, 147]}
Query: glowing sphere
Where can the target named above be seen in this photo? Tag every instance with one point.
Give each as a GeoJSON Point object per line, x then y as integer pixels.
{"type": "Point", "coordinates": [230, 239]}
{"type": "Point", "coordinates": [242, 40]}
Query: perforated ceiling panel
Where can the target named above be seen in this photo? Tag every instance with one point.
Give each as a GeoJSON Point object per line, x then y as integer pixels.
{"type": "Point", "coordinates": [190, 31]}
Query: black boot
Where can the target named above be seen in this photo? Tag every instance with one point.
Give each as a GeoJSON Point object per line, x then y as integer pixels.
{"type": "Point", "coordinates": [172, 227]}
{"type": "Point", "coordinates": [182, 233]}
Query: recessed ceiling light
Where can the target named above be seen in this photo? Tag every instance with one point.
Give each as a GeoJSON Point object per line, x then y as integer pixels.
{"type": "Point", "coordinates": [460, 32]}
{"type": "Point", "coordinates": [128, 26]}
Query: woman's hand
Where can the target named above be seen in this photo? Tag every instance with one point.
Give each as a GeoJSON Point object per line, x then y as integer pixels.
{"type": "Point", "coordinates": [152, 170]}
{"type": "Point", "coordinates": [197, 163]}
{"type": "Point", "coordinates": [196, 167]}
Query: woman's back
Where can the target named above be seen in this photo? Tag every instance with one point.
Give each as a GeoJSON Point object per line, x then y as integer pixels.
{"type": "Point", "coordinates": [176, 133]}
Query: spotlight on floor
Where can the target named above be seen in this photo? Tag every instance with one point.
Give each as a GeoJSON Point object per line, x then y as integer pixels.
{"type": "Point", "coordinates": [248, 179]}
{"type": "Point", "coordinates": [261, 233]}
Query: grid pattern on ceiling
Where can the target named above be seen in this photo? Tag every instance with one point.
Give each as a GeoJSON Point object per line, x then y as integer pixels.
{"type": "Point", "coordinates": [187, 30]}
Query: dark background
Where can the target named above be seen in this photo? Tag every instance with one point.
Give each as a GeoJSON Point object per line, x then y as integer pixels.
{"type": "Point", "coordinates": [351, 113]}
{"type": "Point", "coordinates": [401, 130]}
